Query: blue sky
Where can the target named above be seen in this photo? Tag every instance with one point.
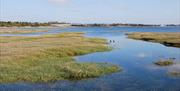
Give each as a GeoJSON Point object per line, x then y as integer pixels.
{"type": "Point", "coordinates": [92, 11]}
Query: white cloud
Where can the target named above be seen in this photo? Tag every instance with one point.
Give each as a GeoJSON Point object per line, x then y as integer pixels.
{"type": "Point", "coordinates": [58, 1]}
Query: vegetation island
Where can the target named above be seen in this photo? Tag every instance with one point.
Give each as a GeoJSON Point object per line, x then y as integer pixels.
{"type": "Point", "coordinates": [165, 38]}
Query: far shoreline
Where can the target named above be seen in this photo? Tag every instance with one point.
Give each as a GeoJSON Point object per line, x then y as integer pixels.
{"type": "Point", "coordinates": [64, 24]}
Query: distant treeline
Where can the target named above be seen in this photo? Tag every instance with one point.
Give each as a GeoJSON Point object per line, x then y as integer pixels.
{"type": "Point", "coordinates": [37, 24]}
{"type": "Point", "coordinates": [22, 24]}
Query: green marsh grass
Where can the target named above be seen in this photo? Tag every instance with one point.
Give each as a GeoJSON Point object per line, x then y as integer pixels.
{"type": "Point", "coordinates": [49, 58]}
{"type": "Point", "coordinates": [168, 38]}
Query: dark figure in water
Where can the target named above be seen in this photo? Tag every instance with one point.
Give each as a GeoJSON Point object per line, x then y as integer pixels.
{"type": "Point", "coordinates": [113, 41]}
{"type": "Point", "coordinates": [110, 41]}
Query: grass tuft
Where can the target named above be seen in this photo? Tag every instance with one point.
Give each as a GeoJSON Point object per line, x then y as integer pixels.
{"type": "Point", "coordinates": [164, 63]}
{"type": "Point", "coordinates": [175, 73]}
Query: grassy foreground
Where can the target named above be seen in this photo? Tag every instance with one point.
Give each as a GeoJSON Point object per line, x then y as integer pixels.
{"type": "Point", "coordinates": [49, 58]}
{"type": "Point", "coordinates": [17, 31]}
{"type": "Point", "coordinates": [168, 39]}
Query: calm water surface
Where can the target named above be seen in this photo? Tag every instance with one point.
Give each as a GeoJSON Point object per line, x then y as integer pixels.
{"type": "Point", "coordinates": [133, 56]}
